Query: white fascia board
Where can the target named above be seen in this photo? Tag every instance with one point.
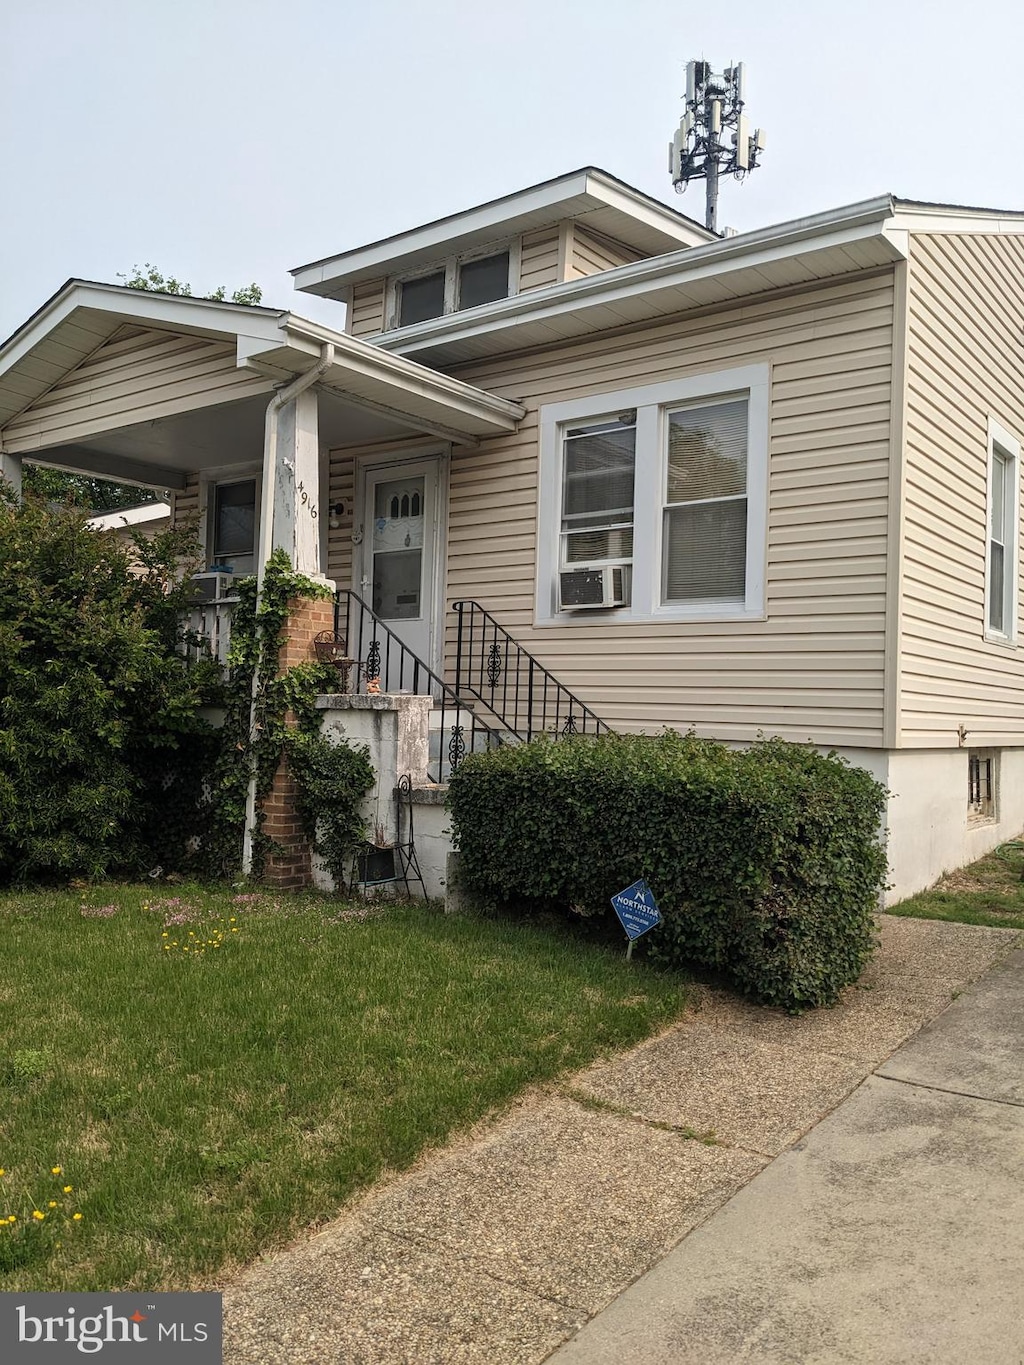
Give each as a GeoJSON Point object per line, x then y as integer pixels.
{"type": "Point", "coordinates": [167, 310]}
{"type": "Point", "coordinates": [638, 207]}
{"type": "Point", "coordinates": [963, 221]}
{"type": "Point", "coordinates": [571, 196]}
{"type": "Point", "coordinates": [300, 341]}
{"type": "Point", "coordinates": [490, 218]}
{"type": "Point", "coordinates": [860, 222]}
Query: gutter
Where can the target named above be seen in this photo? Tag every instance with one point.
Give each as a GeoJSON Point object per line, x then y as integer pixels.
{"type": "Point", "coordinates": [870, 213]}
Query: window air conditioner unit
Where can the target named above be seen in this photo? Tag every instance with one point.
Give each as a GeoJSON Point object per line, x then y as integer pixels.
{"type": "Point", "coordinates": [212, 587]}
{"type": "Point", "coordinates": [607, 586]}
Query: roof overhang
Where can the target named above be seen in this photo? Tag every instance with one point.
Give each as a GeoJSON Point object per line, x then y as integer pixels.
{"type": "Point", "coordinates": [273, 346]}
{"type": "Point", "coordinates": [598, 200]}
{"type": "Point", "coordinates": [861, 237]}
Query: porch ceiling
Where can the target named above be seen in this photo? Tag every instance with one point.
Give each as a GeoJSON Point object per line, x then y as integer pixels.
{"type": "Point", "coordinates": [159, 453]}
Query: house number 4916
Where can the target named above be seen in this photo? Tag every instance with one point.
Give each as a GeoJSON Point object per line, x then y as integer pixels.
{"type": "Point", "coordinates": [304, 496]}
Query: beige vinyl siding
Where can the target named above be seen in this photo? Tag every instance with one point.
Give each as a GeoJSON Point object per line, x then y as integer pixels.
{"type": "Point", "coordinates": [965, 365]}
{"type": "Point", "coordinates": [366, 309]}
{"type": "Point", "coordinates": [137, 376]}
{"type": "Point", "coordinates": [538, 262]}
{"type": "Point", "coordinates": [185, 506]}
{"type": "Point", "coordinates": [341, 489]}
{"type": "Point", "coordinates": [814, 668]}
{"type": "Point", "coordinates": [592, 252]}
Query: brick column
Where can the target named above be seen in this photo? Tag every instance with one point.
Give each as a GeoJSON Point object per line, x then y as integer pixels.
{"type": "Point", "coordinates": [292, 869]}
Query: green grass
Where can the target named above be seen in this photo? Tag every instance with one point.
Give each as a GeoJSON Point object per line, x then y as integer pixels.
{"type": "Point", "coordinates": [990, 891]}
{"type": "Point", "coordinates": [207, 1106]}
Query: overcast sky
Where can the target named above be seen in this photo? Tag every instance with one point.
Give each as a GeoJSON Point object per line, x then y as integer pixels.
{"type": "Point", "coordinates": [228, 140]}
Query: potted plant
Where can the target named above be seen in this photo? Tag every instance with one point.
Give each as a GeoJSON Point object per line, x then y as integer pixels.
{"type": "Point", "coordinates": [376, 862]}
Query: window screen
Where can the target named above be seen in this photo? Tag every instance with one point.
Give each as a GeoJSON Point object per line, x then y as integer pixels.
{"type": "Point", "coordinates": [705, 517]}
{"type": "Point", "coordinates": [235, 527]}
{"type": "Point", "coordinates": [597, 491]}
{"type": "Point", "coordinates": [483, 281]}
{"type": "Point", "coordinates": [422, 299]}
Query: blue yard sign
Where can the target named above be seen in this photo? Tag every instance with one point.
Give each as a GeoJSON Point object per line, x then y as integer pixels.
{"type": "Point", "coordinates": [636, 910]}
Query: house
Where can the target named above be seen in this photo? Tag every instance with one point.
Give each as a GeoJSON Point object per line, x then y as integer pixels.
{"type": "Point", "coordinates": [767, 483]}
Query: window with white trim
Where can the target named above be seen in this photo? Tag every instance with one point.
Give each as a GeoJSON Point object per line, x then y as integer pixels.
{"type": "Point", "coordinates": [1002, 536]}
{"type": "Point", "coordinates": [660, 492]}
{"type": "Point", "coordinates": [450, 286]}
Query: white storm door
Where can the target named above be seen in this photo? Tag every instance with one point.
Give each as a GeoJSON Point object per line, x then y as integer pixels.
{"type": "Point", "coordinates": [401, 571]}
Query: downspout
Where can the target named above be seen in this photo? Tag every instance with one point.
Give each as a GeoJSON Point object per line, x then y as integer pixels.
{"type": "Point", "coordinates": [280, 398]}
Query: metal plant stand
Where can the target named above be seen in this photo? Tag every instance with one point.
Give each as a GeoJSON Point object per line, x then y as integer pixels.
{"type": "Point", "coordinates": [405, 866]}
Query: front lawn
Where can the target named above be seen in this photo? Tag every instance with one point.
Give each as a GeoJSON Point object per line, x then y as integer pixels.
{"type": "Point", "coordinates": [201, 1075]}
{"type": "Point", "coordinates": [990, 891]}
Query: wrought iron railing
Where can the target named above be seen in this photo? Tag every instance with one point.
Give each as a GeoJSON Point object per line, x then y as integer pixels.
{"type": "Point", "coordinates": [523, 696]}
{"type": "Point", "coordinates": [380, 655]}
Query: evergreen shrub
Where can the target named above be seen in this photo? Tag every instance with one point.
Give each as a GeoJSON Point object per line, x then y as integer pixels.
{"type": "Point", "coordinates": [766, 862]}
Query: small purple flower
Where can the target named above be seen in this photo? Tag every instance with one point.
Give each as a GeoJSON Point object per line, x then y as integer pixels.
{"type": "Point", "coordinates": [99, 911]}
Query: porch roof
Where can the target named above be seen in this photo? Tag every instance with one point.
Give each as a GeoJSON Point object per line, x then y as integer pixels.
{"type": "Point", "coordinates": [270, 347]}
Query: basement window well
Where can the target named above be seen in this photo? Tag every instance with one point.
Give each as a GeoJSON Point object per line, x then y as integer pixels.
{"type": "Point", "coordinates": [981, 786]}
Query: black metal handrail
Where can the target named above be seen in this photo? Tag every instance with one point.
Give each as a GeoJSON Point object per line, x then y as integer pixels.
{"type": "Point", "coordinates": [380, 655]}
{"type": "Point", "coordinates": [524, 696]}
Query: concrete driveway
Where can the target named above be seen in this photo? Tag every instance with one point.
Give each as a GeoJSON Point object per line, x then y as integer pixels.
{"type": "Point", "coordinates": [833, 1192]}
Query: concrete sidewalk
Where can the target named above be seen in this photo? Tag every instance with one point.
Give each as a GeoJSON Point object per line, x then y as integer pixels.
{"type": "Point", "coordinates": [497, 1249]}
{"type": "Point", "coordinates": [893, 1233]}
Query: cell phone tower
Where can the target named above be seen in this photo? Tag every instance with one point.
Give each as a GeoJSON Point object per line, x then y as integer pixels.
{"type": "Point", "coordinates": [714, 108]}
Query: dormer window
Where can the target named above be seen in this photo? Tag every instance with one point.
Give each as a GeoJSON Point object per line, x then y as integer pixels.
{"type": "Point", "coordinates": [421, 298]}
{"type": "Point", "coordinates": [483, 280]}
{"type": "Point", "coordinates": [460, 282]}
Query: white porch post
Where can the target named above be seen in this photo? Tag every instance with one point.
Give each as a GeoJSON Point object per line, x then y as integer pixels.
{"type": "Point", "coordinates": [296, 490]}
{"type": "Point", "coordinates": [10, 469]}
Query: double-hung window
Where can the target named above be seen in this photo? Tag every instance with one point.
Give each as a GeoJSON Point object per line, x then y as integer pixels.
{"type": "Point", "coordinates": [1002, 536]}
{"type": "Point", "coordinates": [665, 482]}
{"type": "Point", "coordinates": [704, 540]}
{"type": "Point", "coordinates": [597, 491]}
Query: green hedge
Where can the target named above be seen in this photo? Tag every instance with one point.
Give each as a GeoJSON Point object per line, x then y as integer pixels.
{"type": "Point", "coordinates": [765, 862]}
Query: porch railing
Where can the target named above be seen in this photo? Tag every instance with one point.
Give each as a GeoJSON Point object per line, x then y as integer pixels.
{"type": "Point", "coordinates": [455, 727]}
{"type": "Point", "coordinates": [524, 697]}
{"type": "Point", "coordinates": [208, 628]}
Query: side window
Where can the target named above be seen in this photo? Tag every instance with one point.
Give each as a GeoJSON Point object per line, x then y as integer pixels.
{"type": "Point", "coordinates": [234, 525]}
{"type": "Point", "coordinates": [1002, 536]}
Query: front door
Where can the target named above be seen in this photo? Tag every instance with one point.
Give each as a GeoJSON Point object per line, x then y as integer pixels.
{"type": "Point", "coordinates": [401, 573]}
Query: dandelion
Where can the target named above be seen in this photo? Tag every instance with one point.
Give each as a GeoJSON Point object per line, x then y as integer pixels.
{"type": "Point", "coordinates": [52, 1204]}
{"type": "Point", "coordinates": [56, 1170]}
{"type": "Point", "coordinates": [38, 1216]}
{"type": "Point", "coordinates": [68, 1189]}
{"type": "Point", "coordinates": [76, 1217]}
{"type": "Point", "coordinates": [2, 1171]}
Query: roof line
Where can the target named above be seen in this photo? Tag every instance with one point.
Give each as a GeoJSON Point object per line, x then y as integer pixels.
{"type": "Point", "coordinates": [641, 273]}
{"type": "Point", "coordinates": [251, 309]}
{"type": "Point", "coordinates": [504, 199]}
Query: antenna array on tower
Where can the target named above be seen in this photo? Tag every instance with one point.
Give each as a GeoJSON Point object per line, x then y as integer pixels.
{"type": "Point", "coordinates": [714, 106]}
